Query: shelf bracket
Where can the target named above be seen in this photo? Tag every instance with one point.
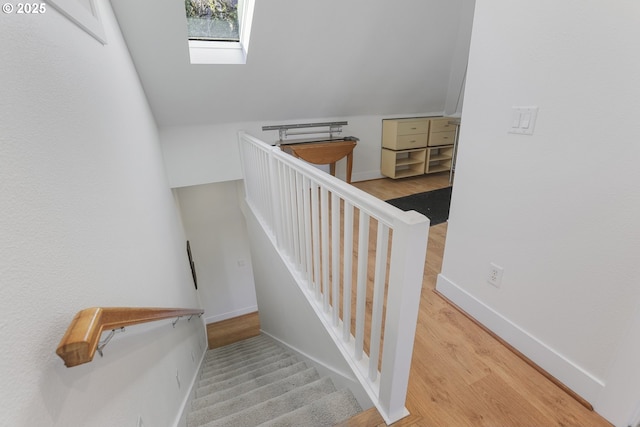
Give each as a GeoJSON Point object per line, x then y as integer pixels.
{"type": "Point", "coordinates": [103, 344]}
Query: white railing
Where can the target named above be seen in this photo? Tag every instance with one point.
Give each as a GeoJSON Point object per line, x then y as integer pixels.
{"type": "Point", "coordinates": [323, 229]}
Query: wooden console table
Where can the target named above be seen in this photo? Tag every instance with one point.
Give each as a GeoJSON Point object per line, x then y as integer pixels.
{"type": "Point", "coordinates": [324, 152]}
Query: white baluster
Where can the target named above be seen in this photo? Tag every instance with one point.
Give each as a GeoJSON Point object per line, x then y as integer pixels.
{"type": "Point", "coordinates": [347, 266]}
{"type": "Point", "coordinates": [382, 245]}
{"type": "Point", "coordinates": [324, 258]}
{"type": "Point", "coordinates": [315, 239]}
{"type": "Point", "coordinates": [361, 290]}
{"type": "Point", "coordinates": [335, 256]}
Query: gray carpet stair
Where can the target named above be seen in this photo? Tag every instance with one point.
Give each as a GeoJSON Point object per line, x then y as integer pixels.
{"type": "Point", "coordinates": [256, 382]}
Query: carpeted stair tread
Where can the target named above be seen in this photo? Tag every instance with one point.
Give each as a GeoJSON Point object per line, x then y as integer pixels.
{"type": "Point", "coordinates": [328, 411]}
{"type": "Point", "coordinates": [230, 392]}
{"type": "Point", "coordinates": [241, 345]}
{"type": "Point", "coordinates": [244, 359]}
{"type": "Point", "coordinates": [233, 371]}
{"type": "Point", "coordinates": [222, 353]}
{"type": "Point", "coordinates": [253, 397]}
{"type": "Point", "coordinates": [275, 407]}
{"type": "Point", "coordinates": [259, 382]}
{"type": "Point", "coordinates": [223, 359]}
{"type": "Point", "coordinates": [209, 386]}
{"type": "Point", "coordinates": [213, 376]}
{"type": "Point", "coordinates": [249, 343]}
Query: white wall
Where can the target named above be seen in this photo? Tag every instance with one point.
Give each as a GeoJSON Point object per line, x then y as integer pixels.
{"type": "Point", "coordinates": [86, 219]}
{"type": "Point", "coordinates": [202, 154]}
{"type": "Point", "coordinates": [217, 233]}
{"type": "Point", "coordinates": [455, 91]}
{"type": "Point", "coordinates": [558, 210]}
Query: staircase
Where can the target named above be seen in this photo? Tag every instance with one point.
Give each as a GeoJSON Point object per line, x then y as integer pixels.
{"type": "Point", "coordinates": [257, 382]}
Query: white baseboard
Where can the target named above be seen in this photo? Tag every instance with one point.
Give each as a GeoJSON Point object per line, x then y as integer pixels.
{"type": "Point", "coordinates": [181, 418]}
{"type": "Point", "coordinates": [230, 314]}
{"type": "Point", "coordinates": [340, 378]}
{"type": "Point", "coordinates": [366, 176]}
{"type": "Point", "coordinates": [570, 374]}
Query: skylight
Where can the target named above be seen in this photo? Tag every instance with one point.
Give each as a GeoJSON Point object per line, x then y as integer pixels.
{"type": "Point", "coordinates": [212, 20]}
{"type": "Point", "coordinates": [218, 30]}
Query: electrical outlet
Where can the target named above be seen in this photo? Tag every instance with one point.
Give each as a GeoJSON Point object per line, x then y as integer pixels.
{"type": "Point", "coordinates": [495, 275]}
{"type": "Point", "coordinates": [178, 377]}
{"type": "Point", "coordinates": [140, 423]}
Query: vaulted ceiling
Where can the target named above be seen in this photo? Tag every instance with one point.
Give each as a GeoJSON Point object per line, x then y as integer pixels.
{"type": "Point", "coordinates": [307, 59]}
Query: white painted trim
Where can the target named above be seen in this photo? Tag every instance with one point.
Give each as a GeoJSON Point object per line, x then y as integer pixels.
{"type": "Point", "coordinates": [79, 15]}
{"type": "Point", "coordinates": [230, 314]}
{"type": "Point", "coordinates": [573, 376]}
{"type": "Point", "coordinates": [312, 359]}
{"type": "Point", "coordinates": [212, 52]}
{"type": "Point", "coordinates": [366, 176]}
{"type": "Point", "coordinates": [181, 417]}
{"type": "Point", "coordinates": [341, 379]}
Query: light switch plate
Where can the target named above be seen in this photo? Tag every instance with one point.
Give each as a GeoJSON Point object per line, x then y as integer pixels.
{"type": "Point", "coordinates": [523, 120]}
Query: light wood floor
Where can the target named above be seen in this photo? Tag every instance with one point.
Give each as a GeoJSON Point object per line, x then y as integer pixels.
{"type": "Point", "coordinates": [460, 375]}
{"type": "Point", "coordinates": [232, 330]}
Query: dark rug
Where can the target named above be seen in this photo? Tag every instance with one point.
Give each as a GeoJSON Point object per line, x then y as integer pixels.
{"type": "Point", "coordinates": [432, 204]}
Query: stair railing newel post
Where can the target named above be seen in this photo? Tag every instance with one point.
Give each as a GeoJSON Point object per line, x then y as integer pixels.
{"type": "Point", "coordinates": [408, 253]}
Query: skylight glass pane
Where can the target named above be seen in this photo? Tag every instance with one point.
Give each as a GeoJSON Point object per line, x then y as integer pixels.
{"type": "Point", "coordinates": [212, 20]}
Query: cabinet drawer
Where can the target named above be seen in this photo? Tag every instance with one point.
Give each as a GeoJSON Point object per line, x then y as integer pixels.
{"type": "Point", "coordinates": [442, 138]}
{"type": "Point", "coordinates": [413, 127]}
{"type": "Point", "coordinates": [442, 125]}
{"type": "Point", "coordinates": [405, 142]}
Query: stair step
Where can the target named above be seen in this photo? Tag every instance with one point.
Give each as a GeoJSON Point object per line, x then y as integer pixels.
{"type": "Point", "coordinates": [231, 392]}
{"type": "Point", "coordinates": [208, 386]}
{"type": "Point", "coordinates": [258, 382]}
{"type": "Point", "coordinates": [241, 345]}
{"type": "Point", "coordinates": [253, 397]}
{"type": "Point", "coordinates": [274, 407]}
{"type": "Point", "coordinates": [234, 370]}
{"type": "Point", "coordinates": [327, 411]}
{"type": "Point", "coordinates": [212, 357]}
{"type": "Point", "coordinates": [244, 359]}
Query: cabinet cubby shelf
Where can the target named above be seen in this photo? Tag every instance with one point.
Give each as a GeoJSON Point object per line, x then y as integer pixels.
{"type": "Point", "coordinates": [437, 158]}
{"type": "Point", "coordinates": [408, 161]}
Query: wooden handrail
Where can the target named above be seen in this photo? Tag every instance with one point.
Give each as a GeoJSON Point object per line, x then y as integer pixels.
{"type": "Point", "coordinates": [79, 343]}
